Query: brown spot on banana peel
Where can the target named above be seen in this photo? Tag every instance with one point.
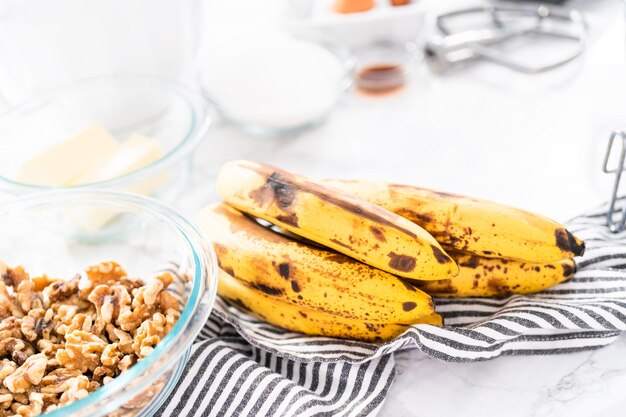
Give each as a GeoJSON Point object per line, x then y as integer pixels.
{"type": "Point", "coordinates": [403, 263]}
{"type": "Point", "coordinates": [378, 234]}
{"type": "Point", "coordinates": [267, 289]}
{"type": "Point", "coordinates": [284, 193]}
{"type": "Point", "coordinates": [409, 305]}
{"type": "Point", "coordinates": [441, 256]}
{"type": "Point", "coordinates": [419, 218]}
{"type": "Point", "coordinates": [443, 287]}
{"type": "Point", "coordinates": [290, 219]}
{"type": "Point", "coordinates": [371, 327]}
{"type": "Point", "coordinates": [275, 189]}
{"type": "Point", "coordinates": [262, 196]}
{"type": "Point", "coordinates": [498, 286]}
{"type": "Point", "coordinates": [295, 287]}
{"type": "Point", "coordinates": [283, 270]}
{"type": "Point", "coordinates": [569, 268]}
{"type": "Point", "coordinates": [568, 243]}
{"type": "Point", "coordinates": [338, 257]}
{"type": "Point", "coordinates": [473, 262]}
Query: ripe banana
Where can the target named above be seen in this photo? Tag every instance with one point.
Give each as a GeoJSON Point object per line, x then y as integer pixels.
{"type": "Point", "coordinates": [493, 277]}
{"type": "Point", "coordinates": [306, 276]}
{"type": "Point", "coordinates": [334, 219]}
{"type": "Point", "coordinates": [471, 225]}
{"type": "Point", "coordinates": [305, 320]}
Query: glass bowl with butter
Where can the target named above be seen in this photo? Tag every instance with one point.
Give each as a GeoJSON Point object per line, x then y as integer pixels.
{"type": "Point", "coordinates": [98, 327]}
{"type": "Point", "coordinates": [132, 133]}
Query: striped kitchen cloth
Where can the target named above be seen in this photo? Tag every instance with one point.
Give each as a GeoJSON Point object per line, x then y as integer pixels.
{"type": "Point", "coordinates": [241, 365]}
{"type": "Point", "coordinates": [227, 376]}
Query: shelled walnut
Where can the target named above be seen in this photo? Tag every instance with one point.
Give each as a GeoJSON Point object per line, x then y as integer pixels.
{"type": "Point", "coordinates": [62, 339]}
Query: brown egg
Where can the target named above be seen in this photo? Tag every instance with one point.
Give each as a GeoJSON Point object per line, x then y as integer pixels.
{"type": "Point", "coordinates": [353, 6]}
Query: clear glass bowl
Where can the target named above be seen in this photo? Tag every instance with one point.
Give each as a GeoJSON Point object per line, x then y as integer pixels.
{"type": "Point", "coordinates": [385, 67]}
{"type": "Point", "coordinates": [176, 117]}
{"type": "Point", "coordinates": [42, 232]}
{"type": "Point", "coordinates": [254, 105]}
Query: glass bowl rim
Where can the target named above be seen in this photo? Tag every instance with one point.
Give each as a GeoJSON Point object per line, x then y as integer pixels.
{"type": "Point", "coordinates": [200, 108]}
{"type": "Point", "coordinates": [204, 290]}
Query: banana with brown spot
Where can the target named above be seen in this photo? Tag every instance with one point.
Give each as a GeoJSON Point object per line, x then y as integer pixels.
{"type": "Point", "coordinates": [307, 276]}
{"type": "Point", "coordinates": [471, 225]}
{"type": "Point", "coordinates": [493, 277]}
{"type": "Point", "coordinates": [304, 320]}
{"type": "Point", "coordinates": [334, 219]}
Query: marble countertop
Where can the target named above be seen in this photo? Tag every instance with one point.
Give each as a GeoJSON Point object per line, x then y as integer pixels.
{"type": "Point", "coordinates": [585, 384]}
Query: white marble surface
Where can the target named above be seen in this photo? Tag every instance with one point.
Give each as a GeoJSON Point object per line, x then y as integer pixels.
{"type": "Point", "coordinates": [582, 384]}
{"type": "Point", "coordinates": [535, 142]}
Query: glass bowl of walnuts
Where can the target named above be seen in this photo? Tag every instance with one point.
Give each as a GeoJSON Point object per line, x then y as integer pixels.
{"type": "Point", "coordinates": [102, 295]}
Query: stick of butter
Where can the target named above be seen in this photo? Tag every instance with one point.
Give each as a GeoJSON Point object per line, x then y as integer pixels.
{"type": "Point", "coordinates": [65, 162]}
{"type": "Point", "coordinates": [133, 154]}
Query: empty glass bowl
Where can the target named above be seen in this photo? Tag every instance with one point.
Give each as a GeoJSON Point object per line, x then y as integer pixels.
{"type": "Point", "coordinates": [39, 231]}
{"type": "Point", "coordinates": [174, 116]}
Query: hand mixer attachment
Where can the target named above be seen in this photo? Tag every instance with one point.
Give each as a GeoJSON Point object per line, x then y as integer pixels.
{"type": "Point", "coordinates": [617, 138]}
{"type": "Point", "coordinates": [500, 24]}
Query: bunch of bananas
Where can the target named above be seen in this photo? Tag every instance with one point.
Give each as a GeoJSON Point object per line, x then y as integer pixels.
{"type": "Point", "coordinates": [361, 260]}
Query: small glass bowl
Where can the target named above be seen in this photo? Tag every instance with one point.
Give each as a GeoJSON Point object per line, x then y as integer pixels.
{"type": "Point", "coordinates": [159, 238]}
{"type": "Point", "coordinates": [265, 120]}
{"type": "Point", "coordinates": [176, 117]}
{"type": "Point", "coordinates": [385, 67]}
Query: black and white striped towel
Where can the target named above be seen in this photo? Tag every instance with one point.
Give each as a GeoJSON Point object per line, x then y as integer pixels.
{"type": "Point", "coordinates": [241, 365]}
